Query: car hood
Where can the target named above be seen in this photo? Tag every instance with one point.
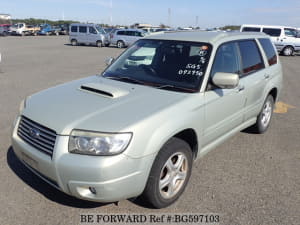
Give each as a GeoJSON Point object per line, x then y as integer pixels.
{"type": "Point", "coordinates": [97, 103]}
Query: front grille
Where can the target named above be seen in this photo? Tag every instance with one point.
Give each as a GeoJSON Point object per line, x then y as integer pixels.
{"type": "Point", "coordinates": [37, 135]}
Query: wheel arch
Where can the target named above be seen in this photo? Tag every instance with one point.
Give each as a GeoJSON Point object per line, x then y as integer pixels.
{"type": "Point", "coordinates": [190, 137]}
{"type": "Point", "coordinates": [274, 93]}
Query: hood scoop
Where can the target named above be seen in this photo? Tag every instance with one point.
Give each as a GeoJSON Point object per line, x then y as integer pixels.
{"type": "Point", "coordinates": [104, 90]}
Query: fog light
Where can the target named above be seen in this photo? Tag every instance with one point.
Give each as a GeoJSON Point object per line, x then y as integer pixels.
{"type": "Point", "coordinates": [93, 190]}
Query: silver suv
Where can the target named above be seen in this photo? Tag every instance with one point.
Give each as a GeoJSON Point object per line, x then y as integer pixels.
{"type": "Point", "coordinates": [126, 37]}
{"type": "Point", "coordinates": [137, 128]}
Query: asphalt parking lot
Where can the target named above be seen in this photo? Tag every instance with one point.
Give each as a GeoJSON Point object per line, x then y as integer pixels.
{"type": "Point", "coordinates": [249, 179]}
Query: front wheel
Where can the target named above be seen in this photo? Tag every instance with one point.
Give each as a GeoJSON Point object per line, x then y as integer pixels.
{"type": "Point", "coordinates": [265, 115]}
{"type": "Point", "coordinates": [120, 44]}
{"type": "Point", "coordinates": [288, 51]}
{"type": "Point", "coordinates": [99, 44]}
{"type": "Point", "coordinates": [170, 174]}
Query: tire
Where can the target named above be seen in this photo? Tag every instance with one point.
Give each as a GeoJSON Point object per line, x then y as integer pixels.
{"type": "Point", "coordinates": [264, 117]}
{"type": "Point", "coordinates": [173, 164]}
{"type": "Point", "coordinates": [99, 44]}
{"type": "Point", "coordinates": [74, 42]}
{"type": "Point", "coordinates": [288, 51]}
{"type": "Point", "coordinates": [120, 44]}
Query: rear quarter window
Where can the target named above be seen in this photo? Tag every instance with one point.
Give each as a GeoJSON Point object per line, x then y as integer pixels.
{"type": "Point", "coordinates": [251, 57]}
{"type": "Point", "coordinates": [269, 50]}
{"type": "Point", "coordinates": [273, 32]}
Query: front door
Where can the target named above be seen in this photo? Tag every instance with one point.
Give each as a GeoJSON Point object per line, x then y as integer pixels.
{"type": "Point", "coordinates": [223, 107]}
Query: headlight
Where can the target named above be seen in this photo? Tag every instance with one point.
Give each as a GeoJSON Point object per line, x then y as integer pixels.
{"type": "Point", "coordinates": [22, 105]}
{"type": "Point", "coordinates": [94, 143]}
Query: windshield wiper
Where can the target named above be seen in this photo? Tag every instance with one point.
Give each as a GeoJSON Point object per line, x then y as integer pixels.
{"type": "Point", "coordinates": [127, 79]}
{"type": "Point", "coordinates": [175, 88]}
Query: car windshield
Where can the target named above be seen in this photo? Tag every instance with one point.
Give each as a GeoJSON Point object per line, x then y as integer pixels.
{"type": "Point", "coordinates": [100, 29]}
{"type": "Point", "coordinates": [165, 64]}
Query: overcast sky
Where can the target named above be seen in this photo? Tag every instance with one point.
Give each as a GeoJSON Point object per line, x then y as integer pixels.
{"type": "Point", "coordinates": [209, 13]}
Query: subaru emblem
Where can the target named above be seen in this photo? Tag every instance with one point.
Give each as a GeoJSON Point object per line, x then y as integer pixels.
{"type": "Point", "coordinates": [34, 133]}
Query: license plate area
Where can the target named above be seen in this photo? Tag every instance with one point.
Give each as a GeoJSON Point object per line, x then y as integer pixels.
{"type": "Point", "coordinates": [30, 161]}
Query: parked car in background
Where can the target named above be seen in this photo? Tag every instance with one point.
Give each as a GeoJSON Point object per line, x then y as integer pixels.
{"type": "Point", "coordinates": [23, 29]}
{"type": "Point", "coordinates": [4, 29]}
{"type": "Point", "coordinates": [126, 37]}
{"type": "Point", "coordinates": [88, 34]}
{"type": "Point", "coordinates": [47, 29]}
{"type": "Point", "coordinates": [137, 128]}
{"type": "Point", "coordinates": [64, 29]}
{"type": "Point", "coordinates": [285, 39]}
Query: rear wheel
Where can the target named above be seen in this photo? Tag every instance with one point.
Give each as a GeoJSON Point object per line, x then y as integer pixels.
{"type": "Point", "coordinates": [169, 175]}
{"type": "Point", "coordinates": [74, 42]}
{"type": "Point", "coordinates": [120, 44]}
{"type": "Point", "coordinates": [265, 115]}
{"type": "Point", "coordinates": [288, 51]}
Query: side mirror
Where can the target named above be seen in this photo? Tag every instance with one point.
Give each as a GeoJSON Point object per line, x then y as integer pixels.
{"type": "Point", "coordinates": [225, 80]}
{"type": "Point", "coordinates": [109, 61]}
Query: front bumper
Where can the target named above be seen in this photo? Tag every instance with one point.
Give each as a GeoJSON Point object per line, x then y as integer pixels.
{"type": "Point", "coordinates": [94, 178]}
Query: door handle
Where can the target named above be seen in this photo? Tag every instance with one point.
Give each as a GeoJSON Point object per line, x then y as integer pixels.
{"type": "Point", "coordinates": [240, 88]}
{"type": "Point", "coordinates": [267, 76]}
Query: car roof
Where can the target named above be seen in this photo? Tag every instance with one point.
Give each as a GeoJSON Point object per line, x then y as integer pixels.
{"type": "Point", "coordinates": [269, 26]}
{"type": "Point", "coordinates": [140, 30]}
{"type": "Point", "coordinates": [83, 24]}
{"type": "Point", "coordinates": [205, 36]}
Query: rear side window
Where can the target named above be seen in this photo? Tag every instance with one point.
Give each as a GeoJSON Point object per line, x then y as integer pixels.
{"type": "Point", "coordinates": [82, 29]}
{"type": "Point", "coordinates": [251, 57]}
{"type": "Point", "coordinates": [269, 50]}
{"type": "Point", "coordinates": [251, 29]}
{"type": "Point", "coordinates": [273, 32]}
{"type": "Point", "coordinates": [74, 28]}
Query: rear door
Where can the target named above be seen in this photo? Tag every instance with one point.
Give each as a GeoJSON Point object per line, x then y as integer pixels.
{"type": "Point", "coordinates": [130, 37]}
{"type": "Point", "coordinates": [253, 77]}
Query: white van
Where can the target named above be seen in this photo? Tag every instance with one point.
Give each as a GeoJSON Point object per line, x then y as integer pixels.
{"type": "Point", "coordinates": [88, 34]}
{"type": "Point", "coordinates": [286, 39]}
